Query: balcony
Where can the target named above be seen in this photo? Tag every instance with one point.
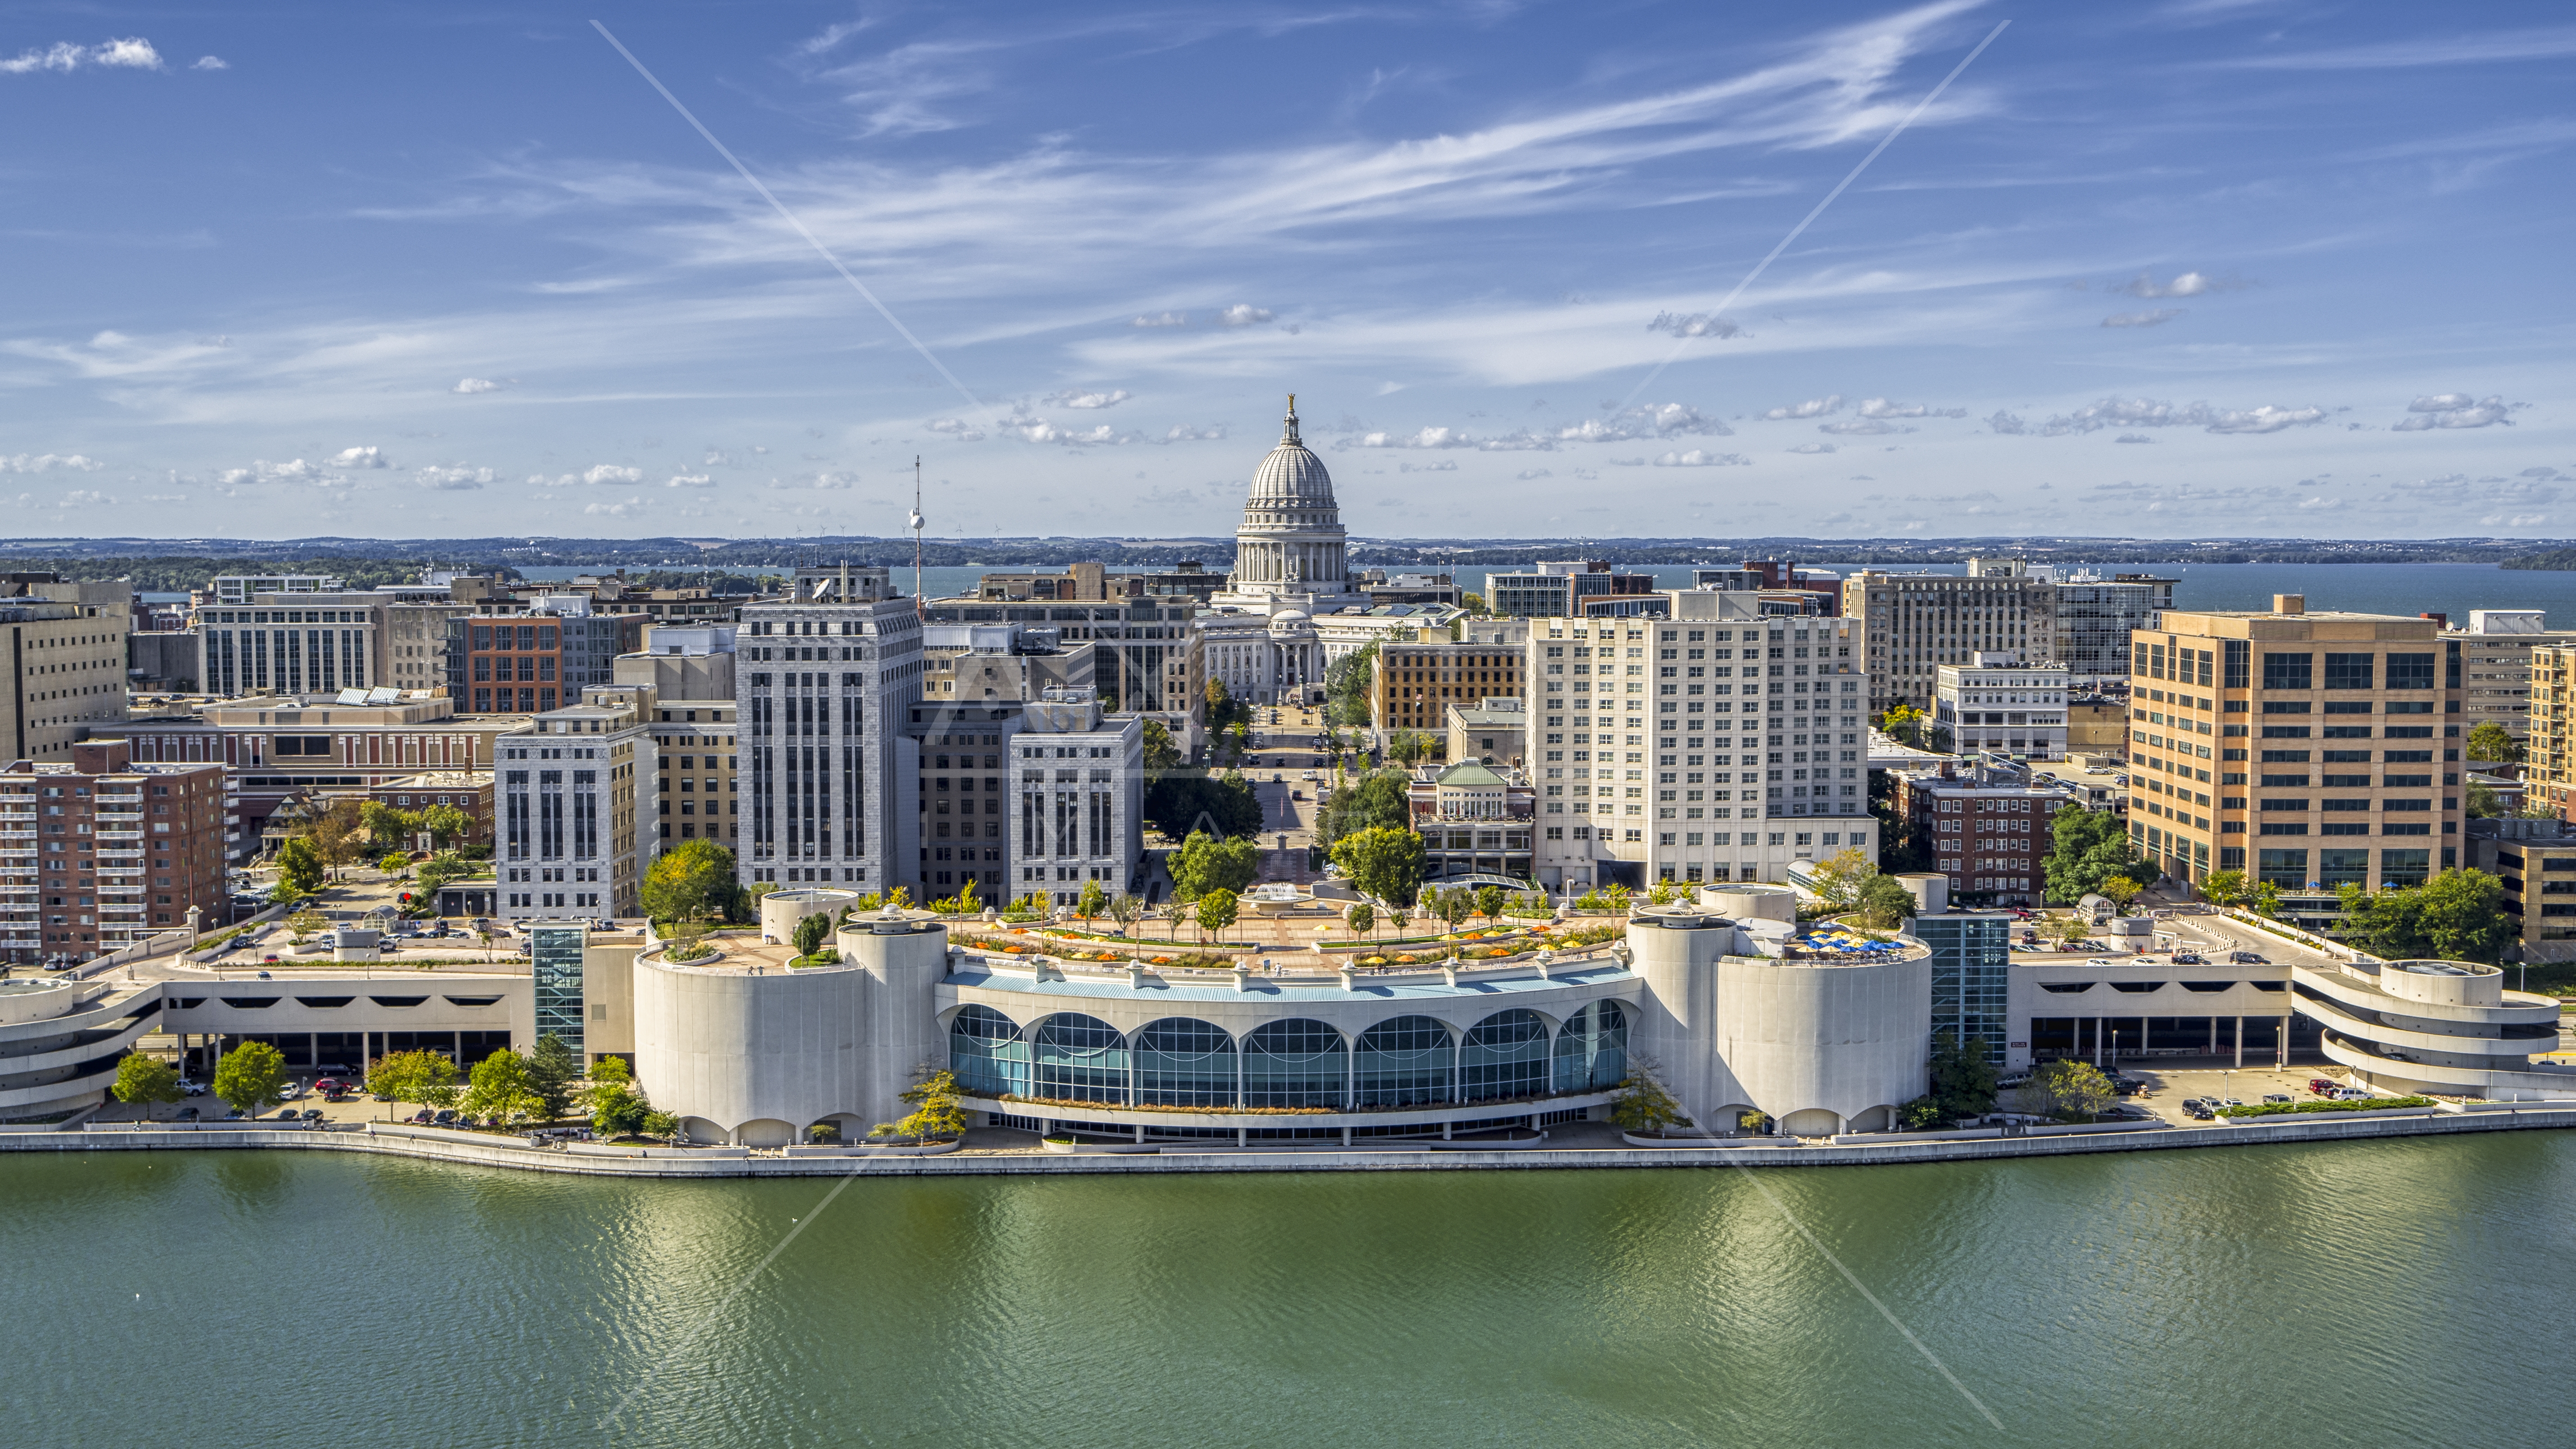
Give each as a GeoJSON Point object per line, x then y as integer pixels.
{"type": "Point", "coordinates": [120, 835]}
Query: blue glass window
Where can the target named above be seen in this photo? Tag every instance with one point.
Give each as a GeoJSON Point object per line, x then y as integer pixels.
{"type": "Point", "coordinates": [987, 1053]}
{"type": "Point", "coordinates": [1408, 1061]}
{"type": "Point", "coordinates": [1504, 1056]}
{"type": "Point", "coordinates": [1592, 1051]}
{"type": "Point", "coordinates": [1299, 1062]}
{"type": "Point", "coordinates": [1077, 1058]}
{"type": "Point", "coordinates": [1181, 1062]}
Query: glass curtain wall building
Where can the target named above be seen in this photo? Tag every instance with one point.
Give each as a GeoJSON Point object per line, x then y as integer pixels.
{"type": "Point", "coordinates": [1971, 955]}
{"type": "Point", "coordinates": [554, 955]}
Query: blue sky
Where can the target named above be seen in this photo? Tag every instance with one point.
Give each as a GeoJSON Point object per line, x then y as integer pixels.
{"type": "Point", "coordinates": [2187, 269]}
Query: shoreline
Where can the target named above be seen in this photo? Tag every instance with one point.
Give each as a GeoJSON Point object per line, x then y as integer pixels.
{"type": "Point", "coordinates": [509, 1156]}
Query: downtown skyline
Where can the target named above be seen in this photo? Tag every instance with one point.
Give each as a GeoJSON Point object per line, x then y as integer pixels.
{"type": "Point", "coordinates": [2190, 270]}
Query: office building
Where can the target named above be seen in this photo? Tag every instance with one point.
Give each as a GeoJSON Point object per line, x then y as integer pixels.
{"type": "Point", "coordinates": [1559, 590]}
{"type": "Point", "coordinates": [567, 783]}
{"type": "Point", "coordinates": [690, 670]}
{"type": "Point", "coordinates": [98, 852]}
{"type": "Point", "coordinates": [1077, 780]}
{"type": "Point", "coordinates": [2336, 739]}
{"type": "Point", "coordinates": [2093, 621]}
{"type": "Point", "coordinates": [825, 683]}
{"type": "Point", "coordinates": [1700, 747]}
{"type": "Point", "coordinates": [242, 588]}
{"type": "Point", "coordinates": [528, 663]}
{"type": "Point", "coordinates": [2002, 708]}
{"type": "Point", "coordinates": [303, 642]}
{"type": "Point", "coordinates": [2536, 861]}
{"type": "Point", "coordinates": [1493, 731]}
{"type": "Point", "coordinates": [1413, 685]}
{"type": "Point", "coordinates": [66, 644]}
{"type": "Point", "coordinates": [2495, 666]}
{"type": "Point", "coordinates": [1971, 976]}
{"type": "Point", "coordinates": [1149, 660]}
{"type": "Point", "coordinates": [1919, 622]}
{"type": "Point", "coordinates": [964, 823]}
{"type": "Point", "coordinates": [970, 662]}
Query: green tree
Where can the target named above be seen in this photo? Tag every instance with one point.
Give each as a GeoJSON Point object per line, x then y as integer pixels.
{"type": "Point", "coordinates": [1347, 685]}
{"type": "Point", "coordinates": [387, 828]}
{"type": "Point", "coordinates": [936, 1114]}
{"type": "Point", "coordinates": [251, 1078]}
{"type": "Point", "coordinates": [2224, 888]}
{"type": "Point", "coordinates": [1453, 906]}
{"type": "Point", "coordinates": [665, 1125]}
{"type": "Point", "coordinates": [552, 1067]}
{"type": "Point", "coordinates": [2068, 929]}
{"type": "Point", "coordinates": [2267, 900]}
{"type": "Point", "coordinates": [1361, 917]}
{"type": "Point", "coordinates": [1642, 1105]}
{"type": "Point", "coordinates": [1884, 904]}
{"type": "Point", "coordinates": [1175, 910]}
{"type": "Point", "coordinates": [1904, 724]}
{"type": "Point", "coordinates": [1379, 800]}
{"type": "Point", "coordinates": [503, 1088]}
{"type": "Point", "coordinates": [1204, 864]}
{"type": "Point", "coordinates": [617, 1108]}
{"type": "Point", "coordinates": [692, 881]}
{"type": "Point", "coordinates": [1408, 747]}
{"type": "Point", "coordinates": [2458, 915]}
{"type": "Point", "coordinates": [2072, 1088]}
{"type": "Point", "coordinates": [305, 925]}
{"type": "Point", "coordinates": [2483, 802]}
{"type": "Point", "coordinates": [1963, 1076]}
{"type": "Point", "coordinates": [425, 1077]}
{"type": "Point", "coordinates": [1124, 909]}
{"type": "Point", "coordinates": [1382, 862]}
{"type": "Point", "coordinates": [1161, 755]}
{"type": "Point", "coordinates": [146, 1081]}
{"type": "Point", "coordinates": [446, 825]}
{"type": "Point", "coordinates": [1838, 878]}
{"type": "Point", "coordinates": [1489, 901]}
{"type": "Point", "coordinates": [1093, 900]}
{"type": "Point", "coordinates": [2119, 890]}
{"type": "Point", "coordinates": [810, 932]}
{"type": "Point", "coordinates": [2086, 847]}
{"type": "Point", "coordinates": [299, 867]}
{"type": "Point", "coordinates": [2492, 741]}
{"type": "Point", "coordinates": [1216, 912]}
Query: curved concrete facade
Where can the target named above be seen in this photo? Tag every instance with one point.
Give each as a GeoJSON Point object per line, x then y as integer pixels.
{"type": "Point", "coordinates": [1751, 902]}
{"type": "Point", "coordinates": [58, 1051]}
{"type": "Point", "coordinates": [1818, 1046]}
{"type": "Point", "coordinates": [781, 910]}
{"type": "Point", "coordinates": [2444, 1027]}
{"type": "Point", "coordinates": [758, 1056]}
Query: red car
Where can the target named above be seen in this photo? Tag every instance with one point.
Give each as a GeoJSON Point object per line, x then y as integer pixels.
{"type": "Point", "coordinates": [330, 1084]}
{"type": "Point", "coordinates": [2321, 1086]}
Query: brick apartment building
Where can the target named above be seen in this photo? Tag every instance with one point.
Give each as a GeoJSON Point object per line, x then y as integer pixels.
{"type": "Point", "coordinates": [1988, 830]}
{"type": "Point", "coordinates": [536, 662]}
{"type": "Point", "coordinates": [97, 851]}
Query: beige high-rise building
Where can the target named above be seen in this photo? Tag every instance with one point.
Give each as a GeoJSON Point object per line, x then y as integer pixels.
{"type": "Point", "coordinates": [65, 644]}
{"type": "Point", "coordinates": [2309, 750]}
{"type": "Point", "coordinates": [1918, 622]}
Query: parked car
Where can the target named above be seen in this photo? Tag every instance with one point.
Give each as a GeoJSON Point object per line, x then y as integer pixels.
{"type": "Point", "coordinates": [2187, 958]}
{"type": "Point", "coordinates": [2276, 1097]}
{"type": "Point", "coordinates": [193, 1089]}
{"type": "Point", "coordinates": [2192, 1104]}
{"type": "Point", "coordinates": [445, 1117]}
{"type": "Point", "coordinates": [2101, 961]}
{"type": "Point", "coordinates": [2246, 958]}
{"type": "Point", "coordinates": [421, 1118]}
{"type": "Point", "coordinates": [329, 1084]}
{"type": "Point", "coordinates": [2321, 1086]}
{"type": "Point", "coordinates": [2352, 1094]}
{"type": "Point", "coordinates": [2017, 1079]}
{"type": "Point", "coordinates": [187, 1114]}
{"type": "Point", "coordinates": [289, 1114]}
{"type": "Point", "coordinates": [2199, 1111]}
{"type": "Point", "coordinates": [312, 1114]}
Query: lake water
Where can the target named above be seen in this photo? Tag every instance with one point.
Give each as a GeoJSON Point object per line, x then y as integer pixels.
{"type": "Point", "coordinates": [2413, 1291]}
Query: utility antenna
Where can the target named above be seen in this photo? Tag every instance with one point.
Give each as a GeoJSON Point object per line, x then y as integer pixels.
{"type": "Point", "coordinates": [916, 533]}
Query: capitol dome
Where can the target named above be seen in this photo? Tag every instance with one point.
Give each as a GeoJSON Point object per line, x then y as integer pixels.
{"type": "Point", "coordinates": [1291, 476]}
{"type": "Point", "coordinates": [1291, 542]}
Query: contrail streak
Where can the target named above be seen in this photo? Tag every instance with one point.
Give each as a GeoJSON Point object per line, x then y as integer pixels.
{"type": "Point", "coordinates": [811, 240]}
{"type": "Point", "coordinates": [1794, 232]}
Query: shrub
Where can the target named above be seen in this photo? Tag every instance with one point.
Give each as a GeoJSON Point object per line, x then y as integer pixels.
{"type": "Point", "coordinates": [2291, 1109]}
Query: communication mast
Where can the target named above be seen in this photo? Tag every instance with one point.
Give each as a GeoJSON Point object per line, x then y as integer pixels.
{"type": "Point", "coordinates": [916, 533]}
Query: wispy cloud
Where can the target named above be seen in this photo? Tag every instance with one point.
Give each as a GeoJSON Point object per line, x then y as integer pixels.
{"type": "Point", "coordinates": [1811, 408]}
{"type": "Point", "coordinates": [1077, 398]}
{"type": "Point", "coordinates": [2157, 318]}
{"type": "Point", "coordinates": [469, 386]}
{"type": "Point", "coordinates": [1702, 458]}
{"type": "Point", "coordinates": [130, 53]}
{"type": "Point", "coordinates": [2453, 410]}
{"type": "Point", "coordinates": [2478, 48]}
{"type": "Point", "coordinates": [47, 462]}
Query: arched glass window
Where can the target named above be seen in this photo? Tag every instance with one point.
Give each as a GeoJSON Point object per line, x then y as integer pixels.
{"type": "Point", "coordinates": [1592, 1051]}
{"type": "Point", "coordinates": [1077, 1058]}
{"type": "Point", "coordinates": [1299, 1062]}
{"type": "Point", "coordinates": [987, 1052]}
{"type": "Point", "coordinates": [1504, 1056]}
{"type": "Point", "coordinates": [1407, 1061]}
{"type": "Point", "coordinates": [1182, 1062]}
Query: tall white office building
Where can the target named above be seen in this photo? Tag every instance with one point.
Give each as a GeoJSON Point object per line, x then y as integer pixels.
{"type": "Point", "coordinates": [824, 681]}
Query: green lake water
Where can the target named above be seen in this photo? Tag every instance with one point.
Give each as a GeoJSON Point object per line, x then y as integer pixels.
{"type": "Point", "coordinates": [2400, 1292]}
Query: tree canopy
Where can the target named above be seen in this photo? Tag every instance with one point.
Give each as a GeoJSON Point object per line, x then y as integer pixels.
{"type": "Point", "coordinates": [2086, 848]}
{"type": "Point", "coordinates": [426, 1077]}
{"type": "Point", "coordinates": [2456, 916]}
{"type": "Point", "coordinates": [1346, 686]}
{"type": "Point", "coordinates": [251, 1078]}
{"type": "Point", "coordinates": [1838, 878]}
{"type": "Point", "coordinates": [689, 882]}
{"type": "Point", "coordinates": [1205, 863]}
{"type": "Point", "coordinates": [1184, 801]}
{"type": "Point", "coordinates": [1376, 801]}
{"type": "Point", "coordinates": [146, 1081]}
{"type": "Point", "coordinates": [1382, 862]}
{"type": "Point", "coordinates": [1216, 911]}
{"type": "Point", "coordinates": [1884, 904]}
{"type": "Point", "coordinates": [504, 1088]}
{"type": "Point", "coordinates": [1161, 755]}
{"type": "Point", "coordinates": [2492, 741]}
{"type": "Point", "coordinates": [299, 868]}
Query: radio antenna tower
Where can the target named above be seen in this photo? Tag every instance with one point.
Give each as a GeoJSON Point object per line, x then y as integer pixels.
{"type": "Point", "coordinates": [916, 533]}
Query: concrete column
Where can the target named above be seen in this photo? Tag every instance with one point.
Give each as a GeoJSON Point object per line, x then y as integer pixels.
{"type": "Point", "coordinates": [2281, 1047]}
{"type": "Point", "coordinates": [2213, 1036]}
{"type": "Point", "coordinates": [2240, 1041]}
{"type": "Point", "coordinates": [1346, 1137]}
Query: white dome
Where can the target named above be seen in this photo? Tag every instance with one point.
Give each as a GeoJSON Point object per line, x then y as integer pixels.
{"type": "Point", "coordinates": [1290, 621]}
{"type": "Point", "coordinates": [1291, 476]}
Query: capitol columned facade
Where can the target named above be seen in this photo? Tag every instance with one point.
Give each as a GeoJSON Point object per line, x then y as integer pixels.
{"type": "Point", "coordinates": [1291, 564]}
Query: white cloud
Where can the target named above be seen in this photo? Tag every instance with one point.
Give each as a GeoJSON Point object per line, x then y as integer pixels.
{"type": "Point", "coordinates": [1182, 433]}
{"type": "Point", "coordinates": [1073, 398]}
{"type": "Point", "coordinates": [451, 480]}
{"type": "Point", "coordinates": [1696, 324]}
{"type": "Point", "coordinates": [2133, 438]}
{"type": "Point", "coordinates": [468, 386]}
{"type": "Point", "coordinates": [958, 428]}
{"type": "Point", "coordinates": [210, 62]}
{"type": "Point", "coordinates": [2004, 422]}
{"type": "Point", "coordinates": [2265, 419]}
{"type": "Point", "coordinates": [2156, 318]}
{"type": "Point", "coordinates": [1863, 427]}
{"type": "Point", "coordinates": [47, 462]}
{"type": "Point", "coordinates": [2453, 410]}
{"type": "Point", "coordinates": [1038, 430]}
{"type": "Point", "coordinates": [79, 498]}
{"type": "Point", "coordinates": [1811, 408]}
{"type": "Point", "coordinates": [612, 473]}
{"type": "Point", "coordinates": [2189, 284]}
{"type": "Point", "coordinates": [1427, 438]}
{"type": "Point", "coordinates": [1443, 466]}
{"type": "Point", "coordinates": [1163, 319]}
{"type": "Point", "coordinates": [1526, 474]}
{"type": "Point", "coordinates": [1627, 462]}
{"type": "Point", "coordinates": [359, 458]}
{"type": "Point", "coordinates": [1243, 314]}
{"type": "Point", "coordinates": [690, 480]}
{"type": "Point", "coordinates": [1652, 421]}
{"type": "Point", "coordinates": [627, 509]}
{"type": "Point", "coordinates": [264, 471]}
{"type": "Point", "coordinates": [131, 53]}
{"type": "Point", "coordinates": [1813, 448]}
{"type": "Point", "coordinates": [1700, 458]}
{"type": "Point", "coordinates": [2113, 412]}
{"type": "Point", "coordinates": [1879, 407]}
{"type": "Point", "coordinates": [2320, 501]}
